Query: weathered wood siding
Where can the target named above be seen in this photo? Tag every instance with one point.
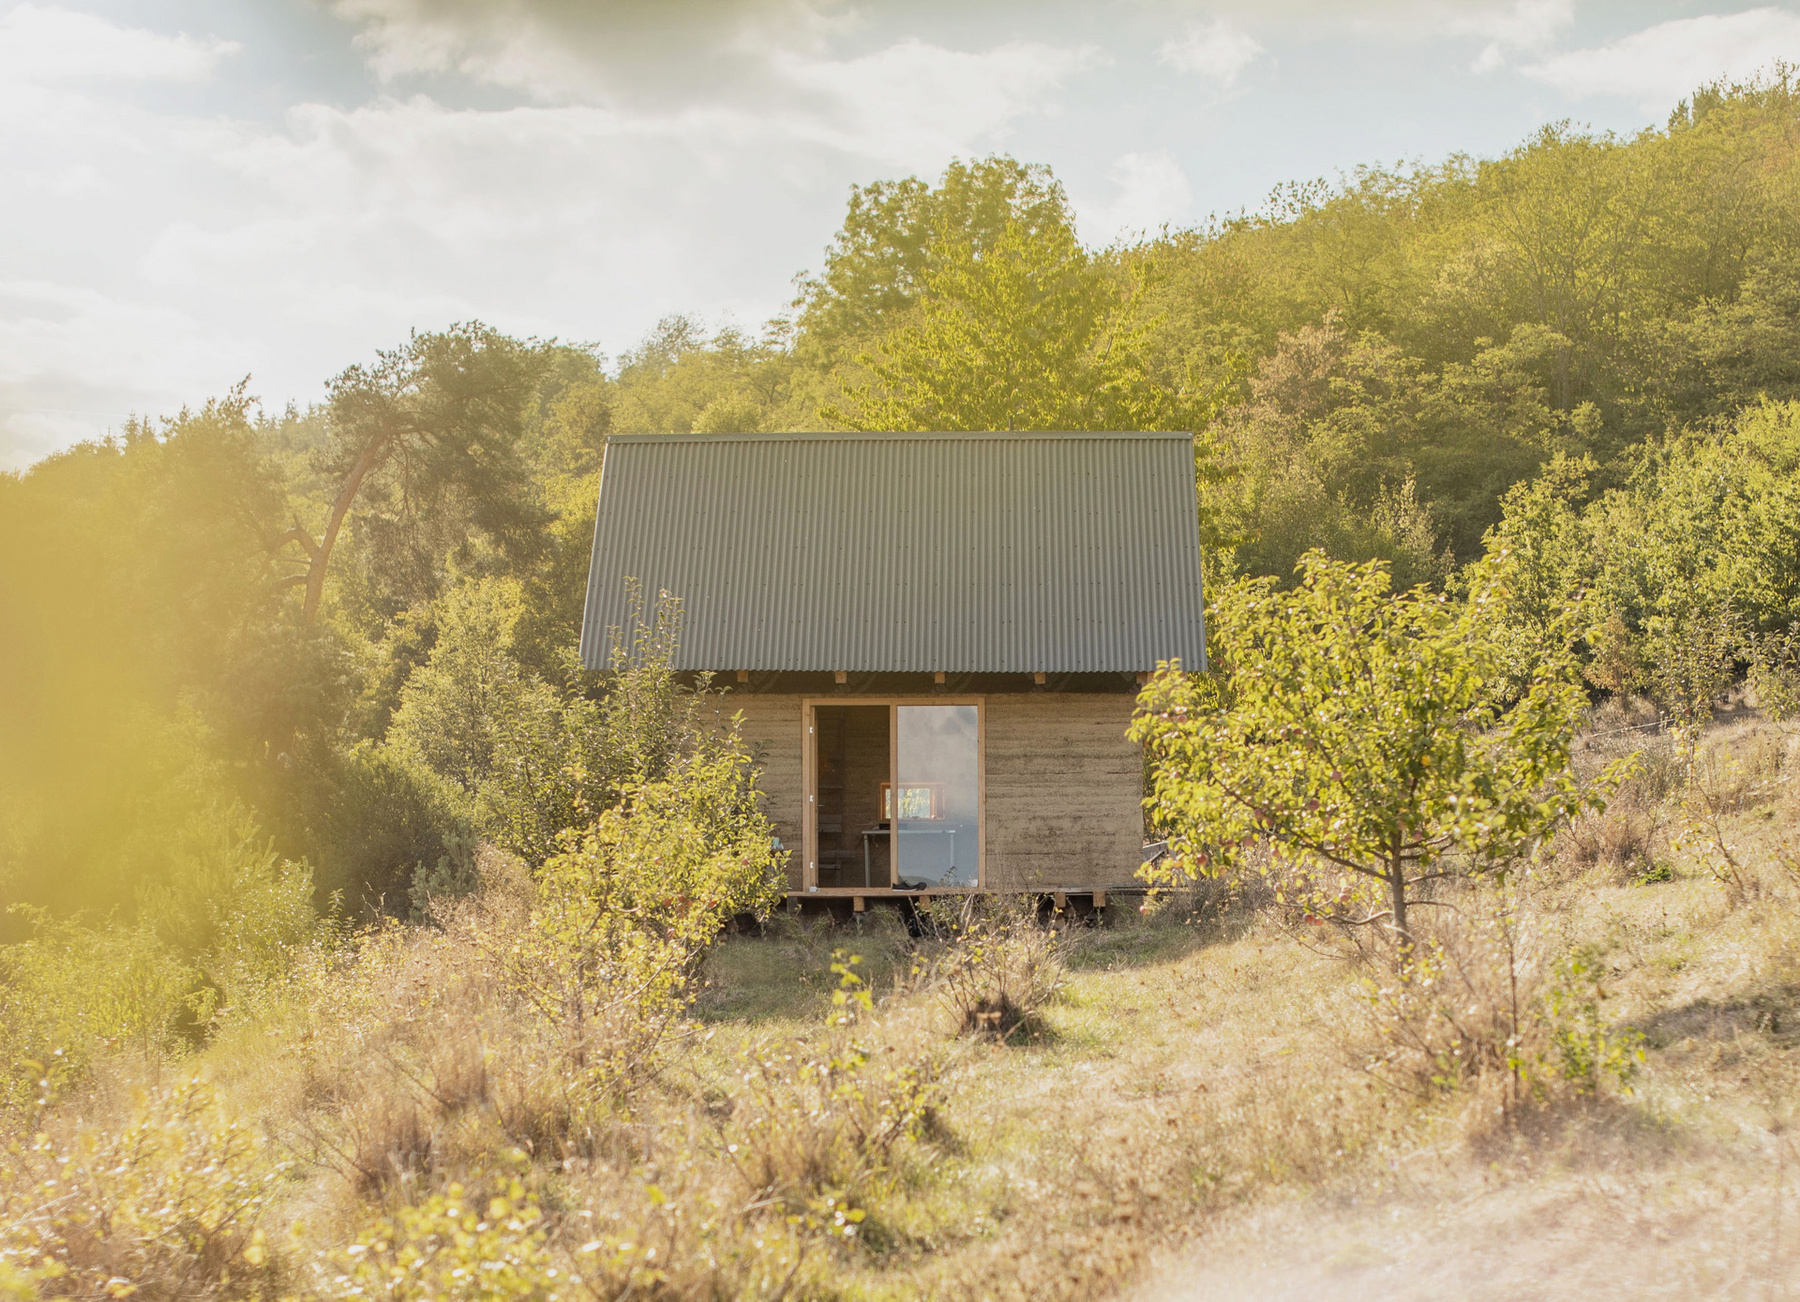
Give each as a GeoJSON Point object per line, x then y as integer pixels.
{"type": "Point", "coordinates": [772, 728]}
{"type": "Point", "coordinates": [1063, 785]}
{"type": "Point", "coordinates": [1064, 788]}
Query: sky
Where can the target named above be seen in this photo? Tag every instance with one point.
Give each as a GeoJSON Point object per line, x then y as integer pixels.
{"type": "Point", "coordinates": [197, 191]}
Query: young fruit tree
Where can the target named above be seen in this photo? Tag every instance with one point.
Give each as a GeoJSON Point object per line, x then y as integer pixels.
{"type": "Point", "coordinates": [1362, 738]}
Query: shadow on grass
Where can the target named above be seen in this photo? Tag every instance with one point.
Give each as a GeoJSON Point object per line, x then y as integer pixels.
{"type": "Point", "coordinates": [784, 973]}
{"type": "Point", "coordinates": [1582, 1133]}
{"type": "Point", "coordinates": [1150, 942]}
{"type": "Point", "coordinates": [1772, 1011]}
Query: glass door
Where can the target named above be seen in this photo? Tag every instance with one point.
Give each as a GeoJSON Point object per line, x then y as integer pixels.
{"type": "Point", "coordinates": [936, 817]}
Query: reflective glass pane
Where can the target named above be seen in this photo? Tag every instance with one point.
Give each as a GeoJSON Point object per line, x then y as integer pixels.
{"type": "Point", "coordinates": [937, 832]}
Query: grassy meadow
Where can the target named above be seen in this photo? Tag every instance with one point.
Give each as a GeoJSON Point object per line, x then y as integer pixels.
{"type": "Point", "coordinates": [1197, 1099]}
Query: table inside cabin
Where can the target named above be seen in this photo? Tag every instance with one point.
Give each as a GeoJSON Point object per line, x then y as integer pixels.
{"type": "Point", "coordinates": [878, 831]}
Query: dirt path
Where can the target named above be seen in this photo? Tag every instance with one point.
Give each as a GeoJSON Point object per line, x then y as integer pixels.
{"type": "Point", "coordinates": [1722, 1233]}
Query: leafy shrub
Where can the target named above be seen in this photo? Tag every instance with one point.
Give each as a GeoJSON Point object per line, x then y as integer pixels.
{"type": "Point", "coordinates": [1359, 734]}
{"type": "Point", "coordinates": [1725, 774]}
{"type": "Point", "coordinates": [1584, 1049]}
{"type": "Point", "coordinates": [167, 1207]}
{"type": "Point", "coordinates": [623, 918]}
{"type": "Point", "coordinates": [455, 1248]}
{"type": "Point", "coordinates": [566, 756]}
{"type": "Point", "coordinates": [70, 992]}
{"type": "Point", "coordinates": [380, 820]}
{"type": "Point", "coordinates": [416, 1058]}
{"type": "Point", "coordinates": [1481, 1001]}
{"type": "Point", "coordinates": [231, 908]}
{"type": "Point", "coordinates": [1775, 673]}
{"type": "Point", "coordinates": [530, 761]}
{"type": "Point", "coordinates": [453, 707]}
{"type": "Point", "coordinates": [818, 1125]}
{"type": "Point", "coordinates": [537, 1004]}
{"type": "Point", "coordinates": [223, 919]}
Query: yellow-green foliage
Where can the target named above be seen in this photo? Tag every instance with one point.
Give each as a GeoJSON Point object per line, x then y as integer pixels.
{"type": "Point", "coordinates": [455, 1247]}
{"type": "Point", "coordinates": [622, 918]}
{"type": "Point", "coordinates": [224, 921]}
{"type": "Point", "coordinates": [818, 1124]}
{"type": "Point", "coordinates": [70, 992]}
{"type": "Point", "coordinates": [166, 1206]}
{"type": "Point", "coordinates": [1488, 998]}
{"type": "Point", "coordinates": [1361, 736]}
{"type": "Point", "coordinates": [1689, 567]}
{"type": "Point", "coordinates": [1029, 332]}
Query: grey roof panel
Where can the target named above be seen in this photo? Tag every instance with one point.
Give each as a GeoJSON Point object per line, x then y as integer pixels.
{"type": "Point", "coordinates": [967, 553]}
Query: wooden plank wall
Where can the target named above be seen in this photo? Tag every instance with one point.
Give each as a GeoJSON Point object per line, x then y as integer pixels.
{"type": "Point", "coordinates": [1064, 788]}
{"type": "Point", "coordinates": [772, 729]}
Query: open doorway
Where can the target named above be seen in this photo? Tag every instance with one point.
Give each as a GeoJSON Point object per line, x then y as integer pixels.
{"type": "Point", "coordinates": [853, 753]}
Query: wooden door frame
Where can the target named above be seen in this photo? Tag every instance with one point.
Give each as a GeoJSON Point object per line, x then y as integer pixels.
{"type": "Point", "coordinates": [809, 768]}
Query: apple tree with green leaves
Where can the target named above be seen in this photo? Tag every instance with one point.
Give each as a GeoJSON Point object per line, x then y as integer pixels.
{"type": "Point", "coordinates": [1371, 741]}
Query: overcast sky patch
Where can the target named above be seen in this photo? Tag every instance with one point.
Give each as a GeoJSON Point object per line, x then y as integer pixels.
{"type": "Point", "coordinates": [1656, 67]}
{"type": "Point", "coordinates": [1218, 49]}
{"type": "Point", "coordinates": [199, 191]}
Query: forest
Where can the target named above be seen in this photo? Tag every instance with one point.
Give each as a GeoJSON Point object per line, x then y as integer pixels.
{"type": "Point", "coordinates": [359, 942]}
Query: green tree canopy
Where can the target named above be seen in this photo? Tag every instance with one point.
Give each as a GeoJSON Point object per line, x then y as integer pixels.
{"type": "Point", "coordinates": [1360, 735]}
{"type": "Point", "coordinates": [1030, 333]}
{"type": "Point", "coordinates": [425, 444]}
{"type": "Point", "coordinates": [895, 231]}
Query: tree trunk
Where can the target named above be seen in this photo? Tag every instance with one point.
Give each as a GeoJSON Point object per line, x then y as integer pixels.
{"type": "Point", "coordinates": [1397, 893]}
{"type": "Point", "coordinates": [315, 574]}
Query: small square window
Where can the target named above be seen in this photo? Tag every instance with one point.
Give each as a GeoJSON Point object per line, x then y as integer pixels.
{"type": "Point", "coordinates": [917, 800]}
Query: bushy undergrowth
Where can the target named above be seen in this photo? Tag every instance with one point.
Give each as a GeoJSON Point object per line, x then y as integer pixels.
{"type": "Point", "coordinates": [207, 942]}
{"type": "Point", "coordinates": [1490, 999]}
{"type": "Point", "coordinates": [168, 1205]}
{"type": "Point", "coordinates": [457, 1244]}
{"type": "Point", "coordinates": [424, 1111]}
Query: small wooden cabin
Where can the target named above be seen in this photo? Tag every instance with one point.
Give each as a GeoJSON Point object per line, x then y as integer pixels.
{"type": "Point", "coordinates": [935, 640]}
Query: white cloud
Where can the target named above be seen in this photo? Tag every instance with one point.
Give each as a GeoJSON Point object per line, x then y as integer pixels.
{"type": "Point", "coordinates": [642, 52]}
{"type": "Point", "coordinates": [910, 102]}
{"type": "Point", "coordinates": [1660, 65]}
{"type": "Point", "coordinates": [915, 104]}
{"type": "Point", "coordinates": [1152, 190]}
{"type": "Point", "coordinates": [1522, 24]}
{"type": "Point", "coordinates": [587, 208]}
{"type": "Point", "coordinates": [1519, 25]}
{"type": "Point", "coordinates": [1217, 48]}
{"type": "Point", "coordinates": [505, 44]}
{"type": "Point", "coordinates": [74, 359]}
{"type": "Point", "coordinates": [45, 44]}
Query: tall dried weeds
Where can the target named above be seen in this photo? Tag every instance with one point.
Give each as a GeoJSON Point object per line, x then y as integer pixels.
{"type": "Point", "coordinates": [992, 964]}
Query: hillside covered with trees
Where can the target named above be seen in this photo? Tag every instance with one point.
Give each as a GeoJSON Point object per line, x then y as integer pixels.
{"type": "Point", "coordinates": [1582, 348]}
{"type": "Point", "coordinates": [292, 726]}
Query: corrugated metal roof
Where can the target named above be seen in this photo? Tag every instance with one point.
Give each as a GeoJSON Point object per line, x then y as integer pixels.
{"type": "Point", "coordinates": [967, 553]}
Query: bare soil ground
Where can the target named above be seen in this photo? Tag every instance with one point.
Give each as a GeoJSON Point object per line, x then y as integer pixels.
{"type": "Point", "coordinates": [1726, 1227]}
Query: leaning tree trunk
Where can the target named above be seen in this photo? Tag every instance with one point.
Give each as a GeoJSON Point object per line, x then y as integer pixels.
{"type": "Point", "coordinates": [319, 554]}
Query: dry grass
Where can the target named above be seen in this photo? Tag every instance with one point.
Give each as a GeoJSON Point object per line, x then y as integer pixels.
{"type": "Point", "coordinates": [1683, 1188]}
{"type": "Point", "coordinates": [1189, 1108]}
